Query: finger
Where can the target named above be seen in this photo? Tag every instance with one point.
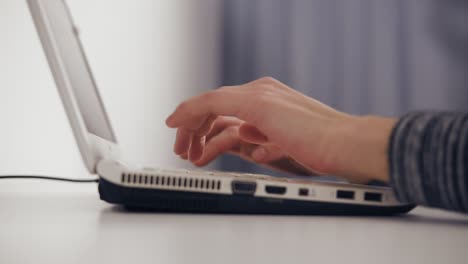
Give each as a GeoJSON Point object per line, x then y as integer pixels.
{"type": "Point", "coordinates": [182, 143]}
{"type": "Point", "coordinates": [197, 143]}
{"type": "Point", "coordinates": [272, 156]}
{"type": "Point", "coordinates": [206, 126]}
{"type": "Point", "coordinates": [192, 113]}
{"type": "Point", "coordinates": [267, 153]}
{"type": "Point", "coordinates": [219, 144]}
{"type": "Point", "coordinates": [245, 150]}
{"type": "Point", "coordinates": [222, 123]}
{"type": "Point", "coordinates": [251, 134]}
{"type": "Point", "coordinates": [260, 153]}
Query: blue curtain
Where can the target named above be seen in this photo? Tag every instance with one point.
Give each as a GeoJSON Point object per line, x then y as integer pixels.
{"type": "Point", "coordinates": [382, 57]}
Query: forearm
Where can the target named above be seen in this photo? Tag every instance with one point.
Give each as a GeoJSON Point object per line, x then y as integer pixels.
{"type": "Point", "coordinates": [428, 154]}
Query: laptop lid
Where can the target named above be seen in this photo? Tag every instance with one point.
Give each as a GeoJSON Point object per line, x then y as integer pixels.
{"type": "Point", "coordinates": [73, 77]}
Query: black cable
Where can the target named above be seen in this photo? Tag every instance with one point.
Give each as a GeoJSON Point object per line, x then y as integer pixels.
{"type": "Point", "coordinates": [47, 178]}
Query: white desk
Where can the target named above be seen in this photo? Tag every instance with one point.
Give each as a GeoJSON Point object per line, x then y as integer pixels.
{"type": "Point", "coordinates": [76, 227]}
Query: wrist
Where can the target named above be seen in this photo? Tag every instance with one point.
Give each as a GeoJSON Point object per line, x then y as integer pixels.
{"type": "Point", "coordinates": [371, 142]}
{"type": "Point", "coordinates": [366, 149]}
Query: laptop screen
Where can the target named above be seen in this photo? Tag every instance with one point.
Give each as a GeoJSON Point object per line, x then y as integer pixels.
{"type": "Point", "coordinates": [74, 62]}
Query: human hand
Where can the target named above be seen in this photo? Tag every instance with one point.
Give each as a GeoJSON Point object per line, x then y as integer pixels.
{"type": "Point", "coordinates": [266, 121]}
{"type": "Point", "coordinates": [234, 136]}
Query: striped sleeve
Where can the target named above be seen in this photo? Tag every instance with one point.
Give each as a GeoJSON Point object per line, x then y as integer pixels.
{"type": "Point", "coordinates": [428, 157]}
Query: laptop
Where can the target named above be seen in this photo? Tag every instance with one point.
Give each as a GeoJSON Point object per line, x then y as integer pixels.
{"type": "Point", "coordinates": [177, 190]}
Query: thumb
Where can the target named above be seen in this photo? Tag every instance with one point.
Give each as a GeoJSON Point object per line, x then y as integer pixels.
{"type": "Point", "coordinates": [266, 153]}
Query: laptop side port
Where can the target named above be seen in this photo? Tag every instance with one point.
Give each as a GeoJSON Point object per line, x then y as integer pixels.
{"type": "Point", "coordinates": [303, 192]}
{"type": "Point", "coordinates": [243, 187]}
{"type": "Point", "coordinates": [373, 196]}
{"type": "Point", "coordinates": [341, 194]}
{"type": "Point", "coordinates": [275, 189]}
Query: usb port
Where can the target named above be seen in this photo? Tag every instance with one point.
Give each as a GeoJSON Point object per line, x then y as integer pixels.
{"type": "Point", "coordinates": [303, 192]}
{"type": "Point", "coordinates": [373, 197]}
{"type": "Point", "coordinates": [340, 194]}
{"type": "Point", "coordinates": [275, 189]}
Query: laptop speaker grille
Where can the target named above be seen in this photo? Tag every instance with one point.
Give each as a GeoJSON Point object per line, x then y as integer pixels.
{"type": "Point", "coordinates": [170, 181]}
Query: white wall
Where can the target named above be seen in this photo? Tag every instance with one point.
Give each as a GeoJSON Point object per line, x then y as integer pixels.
{"type": "Point", "coordinates": [146, 56]}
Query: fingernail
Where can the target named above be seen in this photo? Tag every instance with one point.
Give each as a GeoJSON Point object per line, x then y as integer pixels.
{"type": "Point", "coordinates": [259, 154]}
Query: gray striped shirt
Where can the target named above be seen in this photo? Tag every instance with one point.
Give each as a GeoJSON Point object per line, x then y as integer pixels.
{"type": "Point", "coordinates": [428, 157]}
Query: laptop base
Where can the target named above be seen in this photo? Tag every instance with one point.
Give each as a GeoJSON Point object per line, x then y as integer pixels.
{"type": "Point", "coordinates": [193, 202]}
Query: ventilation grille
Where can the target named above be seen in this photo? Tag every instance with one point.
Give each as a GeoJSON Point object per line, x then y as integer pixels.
{"type": "Point", "coordinates": [171, 181]}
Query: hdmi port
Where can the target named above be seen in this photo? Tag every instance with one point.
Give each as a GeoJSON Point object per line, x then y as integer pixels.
{"type": "Point", "coordinates": [275, 189]}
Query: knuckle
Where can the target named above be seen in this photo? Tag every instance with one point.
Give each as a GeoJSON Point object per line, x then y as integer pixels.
{"type": "Point", "coordinates": [232, 131]}
{"type": "Point", "coordinates": [217, 122]}
{"type": "Point", "coordinates": [224, 88]}
{"type": "Point", "coordinates": [262, 98]}
{"type": "Point", "coordinates": [200, 132]}
{"type": "Point", "coordinates": [208, 96]}
{"type": "Point", "coordinates": [267, 79]}
{"type": "Point", "coordinates": [263, 87]}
